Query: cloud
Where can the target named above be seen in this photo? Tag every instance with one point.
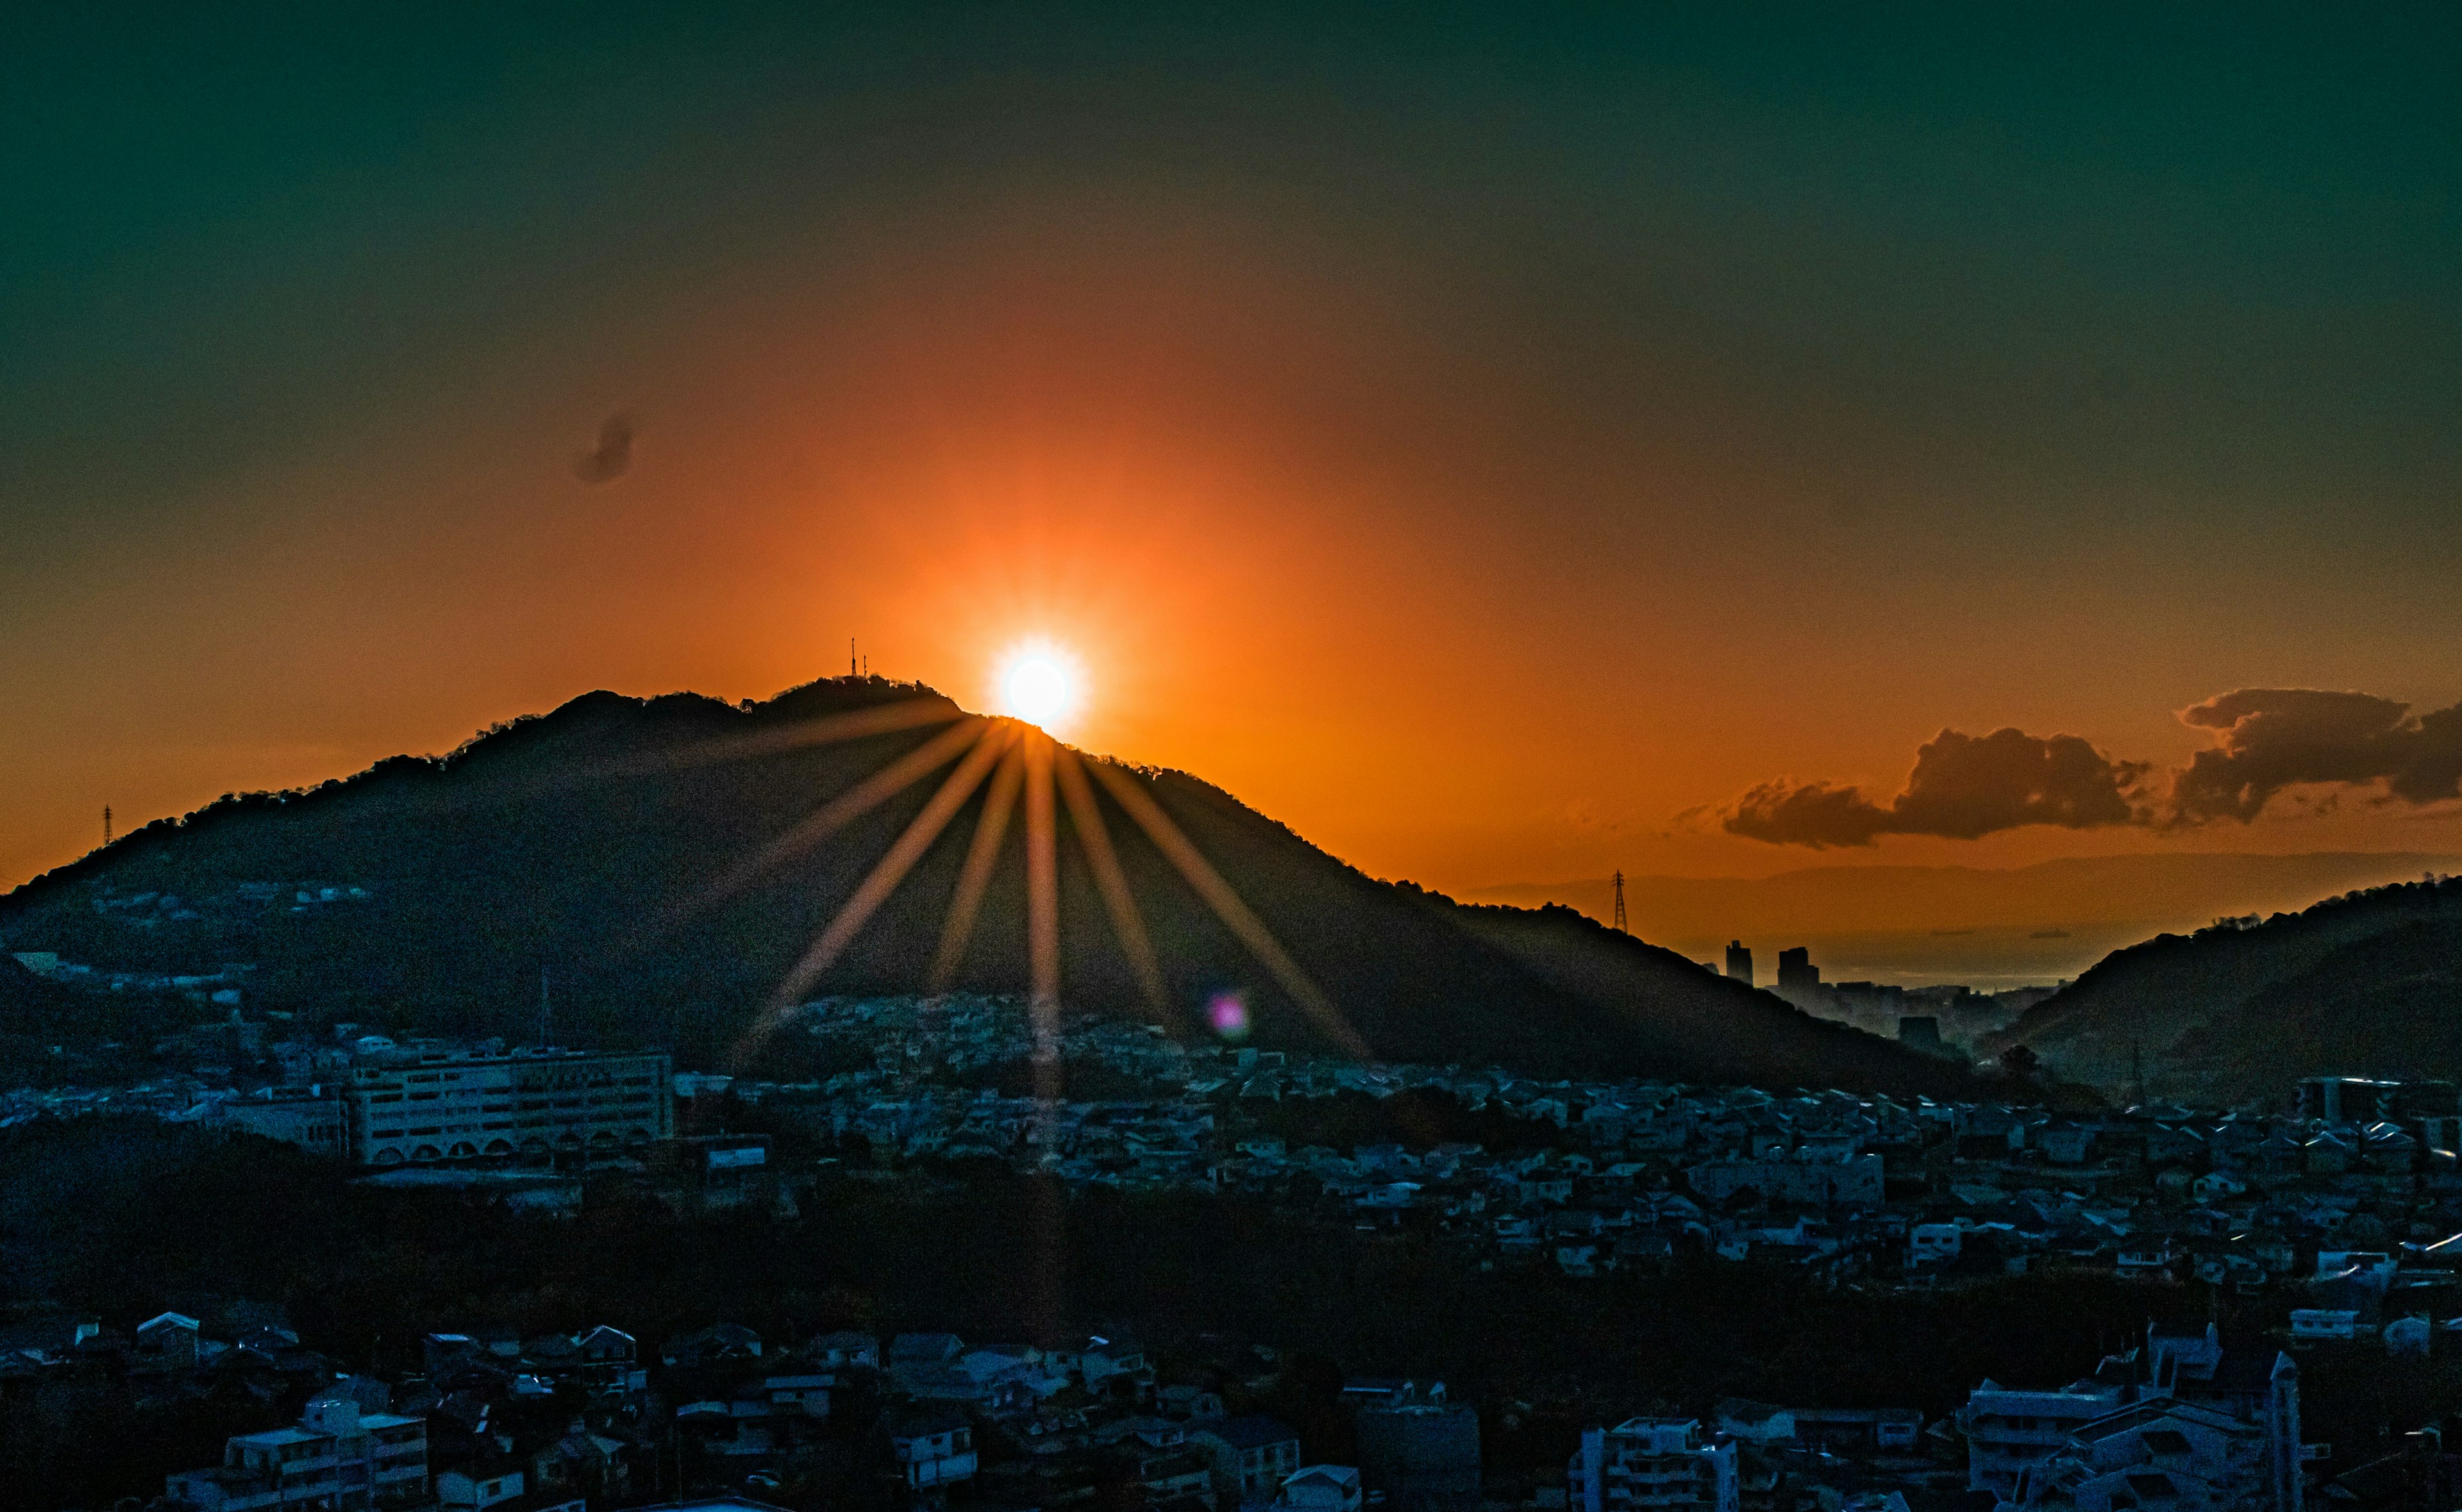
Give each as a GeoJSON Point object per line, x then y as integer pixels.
{"type": "Point", "coordinates": [614, 456]}
{"type": "Point", "coordinates": [1963, 787]}
{"type": "Point", "coordinates": [2269, 739]}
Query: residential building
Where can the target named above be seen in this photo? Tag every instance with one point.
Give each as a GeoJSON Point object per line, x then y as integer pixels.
{"type": "Point", "coordinates": [2162, 1452]}
{"type": "Point", "coordinates": [1253, 1456]}
{"type": "Point", "coordinates": [458, 1105]}
{"type": "Point", "coordinates": [337, 1458]}
{"type": "Point", "coordinates": [934, 1450]}
{"type": "Point", "coordinates": [2011, 1432]}
{"type": "Point", "coordinates": [1653, 1464]}
{"type": "Point", "coordinates": [1321, 1488]}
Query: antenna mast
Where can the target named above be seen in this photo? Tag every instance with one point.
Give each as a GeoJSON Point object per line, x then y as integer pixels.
{"type": "Point", "coordinates": [1621, 927]}
{"type": "Point", "coordinates": [106, 826]}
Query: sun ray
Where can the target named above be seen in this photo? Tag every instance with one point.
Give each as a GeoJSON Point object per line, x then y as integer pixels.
{"type": "Point", "coordinates": [892, 869]}
{"type": "Point", "coordinates": [834, 815]}
{"type": "Point", "coordinates": [1236, 914]}
{"type": "Point", "coordinates": [983, 853]}
{"type": "Point", "coordinates": [1096, 840]}
{"type": "Point", "coordinates": [1042, 914]}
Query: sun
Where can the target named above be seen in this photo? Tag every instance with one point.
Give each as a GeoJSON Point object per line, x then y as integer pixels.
{"type": "Point", "coordinates": [1042, 685]}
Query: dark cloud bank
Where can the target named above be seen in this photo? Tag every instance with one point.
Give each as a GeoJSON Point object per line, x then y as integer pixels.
{"type": "Point", "coordinates": [2267, 740]}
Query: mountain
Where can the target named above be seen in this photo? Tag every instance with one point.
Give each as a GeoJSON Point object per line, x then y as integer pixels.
{"type": "Point", "coordinates": [585, 847]}
{"type": "Point", "coordinates": [2366, 984]}
{"type": "Point", "coordinates": [1990, 927]}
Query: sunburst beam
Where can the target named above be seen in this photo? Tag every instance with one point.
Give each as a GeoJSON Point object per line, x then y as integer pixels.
{"type": "Point", "coordinates": [983, 854]}
{"type": "Point", "coordinates": [1095, 841]}
{"type": "Point", "coordinates": [1042, 901]}
{"type": "Point", "coordinates": [834, 815]}
{"type": "Point", "coordinates": [892, 867]}
{"type": "Point", "coordinates": [1184, 854]}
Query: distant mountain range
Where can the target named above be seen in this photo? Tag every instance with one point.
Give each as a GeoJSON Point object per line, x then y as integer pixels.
{"type": "Point", "coordinates": [2366, 984]}
{"type": "Point", "coordinates": [1989, 927]}
{"type": "Point", "coordinates": [429, 894]}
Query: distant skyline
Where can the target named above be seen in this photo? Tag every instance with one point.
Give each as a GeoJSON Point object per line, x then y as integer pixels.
{"type": "Point", "coordinates": [1500, 448]}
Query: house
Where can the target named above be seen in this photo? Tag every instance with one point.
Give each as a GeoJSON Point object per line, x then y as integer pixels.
{"type": "Point", "coordinates": [737, 1429]}
{"type": "Point", "coordinates": [1854, 1430]}
{"type": "Point", "coordinates": [1320, 1488]}
{"type": "Point", "coordinates": [602, 1357]}
{"type": "Point", "coordinates": [167, 1341]}
{"type": "Point", "coordinates": [721, 1342]}
{"type": "Point", "coordinates": [1102, 1362]}
{"type": "Point", "coordinates": [798, 1395]}
{"type": "Point", "coordinates": [933, 1449]}
{"type": "Point", "coordinates": [2311, 1324]}
{"type": "Point", "coordinates": [1666, 1463]}
{"type": "Point", "coordinates": [840, 1350]}
{"type": "Point", "coordinates": [1253, 1456]}
{"type": "Point", "coordinates": [498, 1484]}
{"type": "Point", "coordinates": [1933, 1244]}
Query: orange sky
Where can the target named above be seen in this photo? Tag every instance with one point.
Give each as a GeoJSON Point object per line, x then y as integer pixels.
{"type": "Point", "coordinates": [1478, 550]}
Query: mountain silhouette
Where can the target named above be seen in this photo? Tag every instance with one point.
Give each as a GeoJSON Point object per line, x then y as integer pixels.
{"type": "Point", "coordinates": [2366, 984]}
{"type": "Point", "coordinates": [431, 894]}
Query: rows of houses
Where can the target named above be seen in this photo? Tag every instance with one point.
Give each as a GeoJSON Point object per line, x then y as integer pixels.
{"type": "Point", "coordinates": [493, 1420]}
{"type": "Point", "coordinates": [1861, 1189]}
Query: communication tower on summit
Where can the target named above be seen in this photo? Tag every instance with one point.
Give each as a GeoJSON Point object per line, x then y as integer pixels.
{"type": "Point", "coordinates": [1620, 927]}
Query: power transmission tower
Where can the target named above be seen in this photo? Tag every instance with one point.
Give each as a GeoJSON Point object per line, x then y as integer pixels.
{"type": "Point", "coordinates": [106, 826]}
{"type": "Point", "coordinates": [1622, 928]}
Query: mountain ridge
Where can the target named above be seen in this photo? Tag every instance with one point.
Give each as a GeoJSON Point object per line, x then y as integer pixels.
{"type": "Point", "coordinates": [570, 843]}
{"type": "Point", "coordinates": [2368, 983]}
{"type": "Point", "coordinates": [2012, 925]}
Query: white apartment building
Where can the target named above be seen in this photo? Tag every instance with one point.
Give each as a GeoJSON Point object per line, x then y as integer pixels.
{"type": "Point", "coordinates": [337, 1460]}
{"type": "Point", "coordinates": [458, 1105]}
{"type": "Point", "coordinates": [1653, 1464]}
{"type": "Point", "coordinates": [2011, 1432]}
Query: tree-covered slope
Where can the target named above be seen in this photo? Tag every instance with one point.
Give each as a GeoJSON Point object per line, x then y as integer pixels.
{"type": "Point", "coordinates": [2362, 985]}
{"type": "Point", "coordinates": [430, 894]}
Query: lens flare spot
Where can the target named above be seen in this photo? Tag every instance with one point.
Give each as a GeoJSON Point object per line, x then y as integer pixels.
{"type": "Point", "coordinates": [1227, 1012]}
{"type": "Point", "coordinates": [1040, 684]}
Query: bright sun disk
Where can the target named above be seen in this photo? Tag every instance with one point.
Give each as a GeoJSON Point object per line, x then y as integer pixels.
{"type": "Point", "coordinates": [1040, 684]}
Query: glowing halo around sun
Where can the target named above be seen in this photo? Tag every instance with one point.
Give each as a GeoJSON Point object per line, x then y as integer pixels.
{"type": "Point", "coordinates": [1042, 685]}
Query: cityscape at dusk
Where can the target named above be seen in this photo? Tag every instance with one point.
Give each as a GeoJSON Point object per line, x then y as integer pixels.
{"type": "Point", "coordinates": [958, 758]}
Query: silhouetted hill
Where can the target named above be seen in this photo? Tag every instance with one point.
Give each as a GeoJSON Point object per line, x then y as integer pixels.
{"type": "Point", "coordinates": [428, 894]}
{"type": "Point", "coordinates": [2369, 984]}
{"type": "Point", "coordinates": [1990, 927]}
